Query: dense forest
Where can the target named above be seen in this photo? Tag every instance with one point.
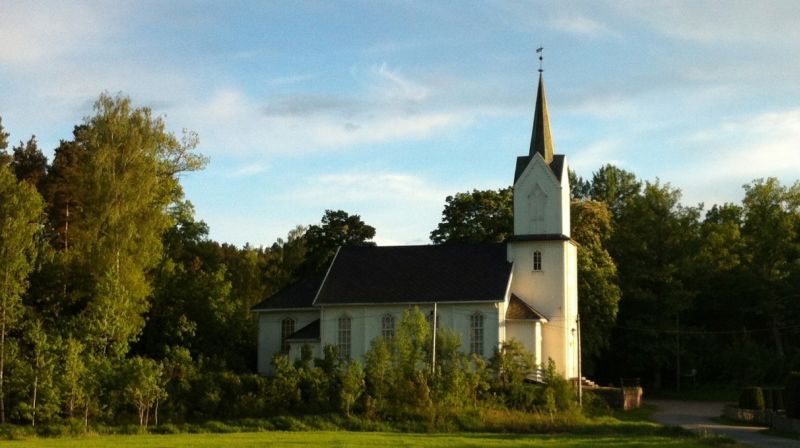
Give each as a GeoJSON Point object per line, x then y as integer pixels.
{"type": "Point", "coordinates": [115, 303]}
{"type": "Point", "coordinates": [670, 292]}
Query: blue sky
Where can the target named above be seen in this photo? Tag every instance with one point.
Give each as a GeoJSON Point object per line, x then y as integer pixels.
{"type": "Point", "coordinates": [384, 108]}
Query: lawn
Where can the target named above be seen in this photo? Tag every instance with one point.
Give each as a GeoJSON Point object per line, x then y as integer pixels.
{"type": "Point", "coordinates": [494, 428]}
{"type": "Point", "coordinates": [356, 439]}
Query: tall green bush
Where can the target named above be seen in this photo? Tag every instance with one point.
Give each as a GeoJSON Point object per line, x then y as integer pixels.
{"type": "Point", "coordinates": [752, 398]}
{"type": "Point", "coordinates": [773, 398]}
{"type": "Point", "coordinates": [769, 395]}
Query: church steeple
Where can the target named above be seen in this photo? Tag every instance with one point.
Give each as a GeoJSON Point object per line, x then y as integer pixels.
{"type": "Point", "coordinates": [541, 140]}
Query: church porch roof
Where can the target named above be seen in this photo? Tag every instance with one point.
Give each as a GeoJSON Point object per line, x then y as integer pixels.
{"type": "Point", "coordinates": [309, 333]}
{"type": "Point", "coordinates": [518, 309]}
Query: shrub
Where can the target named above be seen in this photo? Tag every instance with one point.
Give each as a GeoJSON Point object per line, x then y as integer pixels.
{"type": "Point", "coordinates": [167, 428]}
{"type": "Point", "coordinates": [752, 398]}
{"type": "Point", "coordinates": [778, 402]}
{"type": "Point", "coordinates": [792, 395]}
{"type": "Point", "coordinates": [14, 432]}
{"type": "Point", "coordinates": [595, 405]}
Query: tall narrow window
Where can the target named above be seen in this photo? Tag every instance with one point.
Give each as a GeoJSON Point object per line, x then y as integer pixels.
{"type": "Point", "coordinates": [287, 328]}
{"type": "Point", "coordinates": [537, 261]}
{"type": "Point", "coordinates": [429, 318]}
{"type": "Point", "coordinates": [476, 334]}
{"type": "Point", "coordinates": [343, 342]}
{"type": "Point", "coordinates": [387, 326]}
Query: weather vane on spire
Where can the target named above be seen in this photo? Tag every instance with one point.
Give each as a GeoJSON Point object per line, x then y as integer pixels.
{"type": "Point", "coordinates": [540, 52]}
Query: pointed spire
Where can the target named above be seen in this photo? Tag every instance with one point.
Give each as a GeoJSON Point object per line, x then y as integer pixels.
{"type": "Point", "coordinates": [541, 141]}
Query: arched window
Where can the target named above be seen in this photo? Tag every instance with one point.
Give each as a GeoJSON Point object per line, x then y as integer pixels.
{"type": "Point", "coordinates": [476, 333]}
{"type": "Point", "coordinates": [537, 261]}
{"type": "Point", "coordinates": [287, 328]}
{"type": "Point", "coordinates": [343, 341]}
{"type": "Point", "coordinates": [387, 326]}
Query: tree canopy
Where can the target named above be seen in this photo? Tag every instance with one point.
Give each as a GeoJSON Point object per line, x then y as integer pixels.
{"type": "Point", "coordinates": [484, 216]}
{"type": "Point", "coordinates": [338, 228]}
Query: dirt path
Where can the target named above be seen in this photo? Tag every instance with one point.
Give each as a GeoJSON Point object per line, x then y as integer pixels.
{"type": "Point", "coordinates": [696, 416]}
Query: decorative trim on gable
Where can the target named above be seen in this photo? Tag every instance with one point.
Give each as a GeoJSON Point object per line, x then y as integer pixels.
{"type": "Point", "coordinates": [324, 279]}
{"type": "Point", "coordinates": [539, 237]}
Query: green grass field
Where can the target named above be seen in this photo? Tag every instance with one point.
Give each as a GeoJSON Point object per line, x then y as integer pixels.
{"type": "Point", "coordinates": [356, 439]}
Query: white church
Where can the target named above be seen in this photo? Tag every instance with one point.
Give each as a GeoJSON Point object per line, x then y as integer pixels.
{"type": "Point", "coordinates": [524, 288]}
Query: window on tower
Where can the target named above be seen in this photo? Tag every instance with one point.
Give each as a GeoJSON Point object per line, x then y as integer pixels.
{"type": "Point", "coordinates": [537, 261]}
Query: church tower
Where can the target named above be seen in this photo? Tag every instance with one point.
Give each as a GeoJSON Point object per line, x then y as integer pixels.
{"type": "Point", "coordinates": [545, 275]}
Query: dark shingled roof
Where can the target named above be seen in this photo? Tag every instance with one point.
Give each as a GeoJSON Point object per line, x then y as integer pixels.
{"type": "Point", "coordinates": [541, 140]}
{"type": "Point", "coordinates": [416, 274]}
{"type": "Point", "coordinates": [557, 166]}
{"type": "Point", "coordinates": [519, 310]}
{"type": "Point", "coordinates": [298, 295]}
{"type": "Point", "coordinates": [308, 333]}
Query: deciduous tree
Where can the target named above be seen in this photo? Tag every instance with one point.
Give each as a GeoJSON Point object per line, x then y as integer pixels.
{"type": "Point", "coordinates": [127, 177]}
{"type": "Point", "coordinates": [338, 228]}
{"type": "Point", "coordinates": [598, 287]}
{"type": "Point", "coordinates": [770, 229]}
{"type": "Point", "coordinates": [30, 164]}
{"type": "Point", "coordinates": [476, 217]}
{"type": "Point", "coordinates": [21, 216]}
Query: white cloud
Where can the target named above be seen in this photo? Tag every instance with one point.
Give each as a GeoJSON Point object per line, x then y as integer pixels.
{"type": "Point", "coordinates": [738, 151]}
{"type": "Point", "coordinates": [401, 206]}
{"type": "Point", "coordinates": [396, 87]}
{"type": "Point", "coordinates": [712, 21]}
{"type": "Point", "coordinates": [769, 146]}
{"type": "Point", "coordinates": [359, 187]}
{"type": "Point", "coordinates": [33, 33]}
{"type": "Point", "coordinates": [595, 155]}
{"type": "Point", "coordinates": [581, 25]}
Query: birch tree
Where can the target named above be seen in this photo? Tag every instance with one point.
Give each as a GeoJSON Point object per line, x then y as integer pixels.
{"type": "Point", "coordinates": [127, 179]}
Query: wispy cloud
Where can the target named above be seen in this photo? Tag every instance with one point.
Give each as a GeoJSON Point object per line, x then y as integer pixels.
{"type": "Point", "coordinates": [364, 186]}
{"type": "Point", "coordinates": [393, 86]}
{"type": "Point", "coordinates": [248, 170]}
{"type": "Point", "coordinates": [388, 106]}
{"type": "Point", "coordinates": [291, 79]}
{"type": "Point", "coordinates": [301, 105]}
{"type": "Point", "coordinates": [738, 151]}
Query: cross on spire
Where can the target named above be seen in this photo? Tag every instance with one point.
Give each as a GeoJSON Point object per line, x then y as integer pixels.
{"type": "Point", "coordinates": [540, 52]}
{"type": "Point", "coordinates": [541, 140]}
